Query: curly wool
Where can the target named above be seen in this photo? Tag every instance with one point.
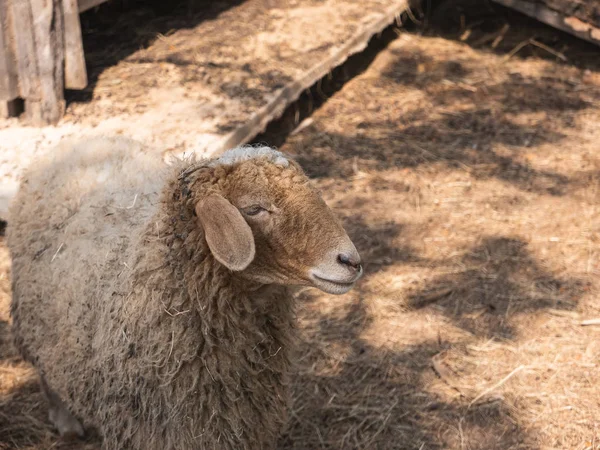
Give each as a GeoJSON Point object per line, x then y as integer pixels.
{"type": "Point", "coordinates": [152, 341]}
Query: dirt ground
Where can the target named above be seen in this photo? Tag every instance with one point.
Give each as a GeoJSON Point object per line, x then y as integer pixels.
{"type": "Point", "coordinates": [184, 76]}
{"type": "Point", "coordinates": [469, 181]}
{"type": "Point", "coordinates": [467, 172]}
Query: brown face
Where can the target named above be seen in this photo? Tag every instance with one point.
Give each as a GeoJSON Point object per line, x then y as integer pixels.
{"type": "Point", "coordinates": [296, 240]}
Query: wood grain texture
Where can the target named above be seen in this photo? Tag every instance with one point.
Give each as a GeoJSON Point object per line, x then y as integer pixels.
{"type": "Point", "coordinates": [24, 48]}
{"type": "Point", "coordinates": [49, 49]}
{"type": "Point", "coordinates": [573, 24]}
{"type": "Point", "coordinates": [9, 82]}
{"type": "Point", "coordinates": [75, 71]}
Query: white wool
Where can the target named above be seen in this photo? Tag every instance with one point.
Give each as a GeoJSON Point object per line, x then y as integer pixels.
{"type": "Point", "coordinates": [245, 153]}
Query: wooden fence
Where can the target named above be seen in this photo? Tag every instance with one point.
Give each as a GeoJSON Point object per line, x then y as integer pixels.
{"type": "Point", "coordinates": [41, 54]}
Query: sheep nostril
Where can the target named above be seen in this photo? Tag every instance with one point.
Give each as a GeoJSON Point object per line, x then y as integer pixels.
{"type": "Point", "coordinates": [349, 261]}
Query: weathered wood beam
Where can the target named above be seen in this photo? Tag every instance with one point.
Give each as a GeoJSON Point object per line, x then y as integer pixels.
{"type": "Point", "coordinates": [24, 42]}
{"type": "Point", "coordinates": [49, 47]}
{"type": "Point", "coordinates": [9, 82]}
{"type": "Point", "coordinates": [570, 24]}
{"type": "Point", "coordinates": [75, 71]}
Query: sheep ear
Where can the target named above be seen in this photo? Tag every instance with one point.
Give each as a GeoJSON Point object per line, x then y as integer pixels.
{"type": "Point", "coordinates": [228, 235]}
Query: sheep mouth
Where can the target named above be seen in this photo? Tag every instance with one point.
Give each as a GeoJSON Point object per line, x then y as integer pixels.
{"type": "Point", "coordinates": [332, 286]}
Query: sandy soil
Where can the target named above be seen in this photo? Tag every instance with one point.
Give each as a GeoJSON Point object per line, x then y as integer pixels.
{"type": "Point", "coordinates": [469, 178]}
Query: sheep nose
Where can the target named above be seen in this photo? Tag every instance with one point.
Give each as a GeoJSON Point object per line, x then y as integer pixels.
{"type": "Point", "coordinates": [350, 261]}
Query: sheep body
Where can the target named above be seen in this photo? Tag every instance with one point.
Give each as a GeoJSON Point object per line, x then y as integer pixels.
{"type": "Point", "coordinates": [119, 304]}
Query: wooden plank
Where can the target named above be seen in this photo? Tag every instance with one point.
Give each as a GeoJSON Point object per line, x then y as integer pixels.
{"type": "Point", "coordinates": [75, 72]}
{"type": "Point", "coordinates": [570, 24]}
{"type": "Point", "coordinates": [49, 48]}
{"type": "Point", "coordinates": [9, 83]}
{"type": "Point", "coordinates": [22, 33]}
{"type": "Point", "coordinates": [584, 10]}
{"type": "Point", "coordinates": [292, 91]}
{"type": "Point", "coordinates": [84, 5]}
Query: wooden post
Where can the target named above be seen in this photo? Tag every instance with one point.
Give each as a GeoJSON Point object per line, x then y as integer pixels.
{"type": "Point", "coordinates": [9, 83]}
{"type": "Point", "coordinates": [22, 33]}
{"type": "Point", "coordinates": [75, 71]}
{"type": "Point", "coordinates": [41, 53]}
{"type": "Point", "coordinates": [48, 34]}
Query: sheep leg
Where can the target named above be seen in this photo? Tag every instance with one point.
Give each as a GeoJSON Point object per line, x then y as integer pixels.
{"type": "Point", "coordinates": [67, 425]}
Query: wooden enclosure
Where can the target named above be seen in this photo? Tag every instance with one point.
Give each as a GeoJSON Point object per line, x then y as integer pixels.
{"type": "Point", "coordinates": [41, 54]}
{"type": "Point", "coordinates": [41, 49]}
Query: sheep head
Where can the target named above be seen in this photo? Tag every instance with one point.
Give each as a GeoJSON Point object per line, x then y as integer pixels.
{"type": "Point", "coordinates": [263, 220]}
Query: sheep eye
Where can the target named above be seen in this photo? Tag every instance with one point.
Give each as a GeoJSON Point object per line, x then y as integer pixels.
{"type": "Point", "coordinates": [253, 210]}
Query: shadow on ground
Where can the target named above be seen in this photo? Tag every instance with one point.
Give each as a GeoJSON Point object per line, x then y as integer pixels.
{"type": "Point", "coordinates": [119, 28]}
{"type": "Point", "coordinates": [499, 280]}
{"type": "Point", "coordinates": [353, 394]}
{"type": "Point", "coordinates": [454, 121]}
{"type": "Point", "coordinates": [375, 243]}
{"type": "Point", "coordinates": [480, 23]}
{"type": "Point", "coordinates": [377, 398]}
{"type": "Point", "coordinates": [459, 126]}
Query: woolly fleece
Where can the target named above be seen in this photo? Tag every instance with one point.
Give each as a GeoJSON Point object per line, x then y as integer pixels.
{"type": "Point", "coordinates": [119, 304]}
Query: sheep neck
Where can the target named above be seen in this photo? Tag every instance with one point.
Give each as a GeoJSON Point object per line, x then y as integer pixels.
{"type": "Point", "coordinates": [214, 355]}
{"type": "Point", "coordinates": [207, 309]}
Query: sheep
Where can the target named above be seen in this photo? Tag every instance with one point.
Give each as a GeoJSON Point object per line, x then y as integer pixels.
{"type": "Point", "coordinates": [156, 301]}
